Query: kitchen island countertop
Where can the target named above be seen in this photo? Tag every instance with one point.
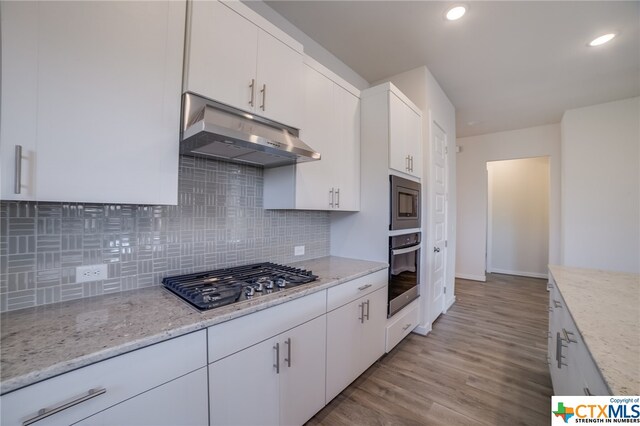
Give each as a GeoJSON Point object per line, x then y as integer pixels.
{"type": "Point", "coordinates": [42, 342]}
{"type": "Point", "coordinates": [605, 306]}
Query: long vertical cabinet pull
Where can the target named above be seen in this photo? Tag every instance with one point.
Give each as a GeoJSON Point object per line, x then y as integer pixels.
{"type": "Point", "coordinates": [361, 317]}
{"type": "Point", "coordinates": [337, 192]}
{"type": "Point", "coordinates": [252, 86]}
{"type": "Point", "coordinates": [264, 96]}
{"type": "Point", "coordinates": [288, 358]}
{"type": "Point", "coordinates": [277, 364]}
{"type": "Point", "coordinates": [367, 314]}
{"type": "Point", "coordinates": [18, 170]}
{"type": "Point", "coordinates": [407, 158]}
{"type": "Point", "coordinates": [331, 198]}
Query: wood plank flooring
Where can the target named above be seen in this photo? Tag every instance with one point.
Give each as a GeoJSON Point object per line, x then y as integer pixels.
{"type": "Point", "coordinates": [484, 363]}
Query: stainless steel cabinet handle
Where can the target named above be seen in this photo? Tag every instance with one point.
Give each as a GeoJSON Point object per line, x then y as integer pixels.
{"type": "Point", "coordinates": [361, 317]}
{"type": "Point", "coordinates": [46, 412]}
{"type": "Point", "coordinates": [288, 358]}
{"type": "Point", "coordinates": [337, 192]}
{"type": "Point", "coordinates": [559, 346]}
{"type": "Point", "coordinates": [18, 170]}
{"type": "Point", "coordinates": [364, 287]}
{"type": "Point", "coordinates": [252, 86]}
{"type": "Point", "coordinates": [411, 163]}
{"type": "Point", "coordinates": [568, 336]}
{"type": "Point", "coordinates": [406, 326]}
{"type": "Point", "coordinates": [407, 158]}
{"type": "Point", "coordinates": [587, 392]}
{"type": "Point", "coordinates": [264, 96]}
{"type": "Point", "coordinates": [277, 364]}
{"type": "Point", "coordinates": [367, 314]}
{"type": "Point", "coordinates": [331, 198]}
{"type": "Point", "coordinates": [557, 304]}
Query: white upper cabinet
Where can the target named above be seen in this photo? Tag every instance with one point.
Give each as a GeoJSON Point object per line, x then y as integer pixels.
{"type": "Point", "coordinates": [331, 126]}
{"type": "Point", "coordinates": [91, 93]}
{"type": "Point", "coordinates": [405, 135]}
{"type": "Point", "coordinates": [238, 58]}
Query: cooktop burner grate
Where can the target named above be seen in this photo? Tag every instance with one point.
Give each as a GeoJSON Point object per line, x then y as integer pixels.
{"type": "Point", "coordinates": [208, 290]}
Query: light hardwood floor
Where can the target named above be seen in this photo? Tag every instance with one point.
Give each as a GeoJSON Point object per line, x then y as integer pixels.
{"type": "Point", "coordinates": [484, 363]}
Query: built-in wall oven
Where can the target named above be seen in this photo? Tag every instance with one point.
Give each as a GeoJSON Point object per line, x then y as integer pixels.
{"type": "Point", "coordinates": [404, 271]}
{"type": "Point", "coordinates": [405, 203]}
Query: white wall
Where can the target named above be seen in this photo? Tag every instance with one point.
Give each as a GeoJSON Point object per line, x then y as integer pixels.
{"type": "Point", "coordinates": [311, 47]}
{"type": "Point", "coordinates": [476, 151]}
{"type": "Point", "coordinates": [601, 186]}
{"type": "Point", "coordinates": [422, 88]}
{"type": "Point", "coordinates": [518, 225]}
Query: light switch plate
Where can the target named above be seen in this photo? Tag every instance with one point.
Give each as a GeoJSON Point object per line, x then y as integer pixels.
{"type": "Point", "coordinates": [298, 250]}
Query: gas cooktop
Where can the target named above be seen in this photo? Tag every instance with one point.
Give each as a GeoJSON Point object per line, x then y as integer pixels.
{"type": "Point", "coordinates": [208, 290]}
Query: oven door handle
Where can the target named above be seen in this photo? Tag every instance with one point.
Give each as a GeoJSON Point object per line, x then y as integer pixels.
{"type": "Point", "coordinates": [395, 252]}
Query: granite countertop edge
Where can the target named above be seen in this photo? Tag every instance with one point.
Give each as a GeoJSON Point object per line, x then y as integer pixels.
{"type": "Point", "coordinates": [564, 277]}
{"type": "Point", "coordinates": [23, 380]}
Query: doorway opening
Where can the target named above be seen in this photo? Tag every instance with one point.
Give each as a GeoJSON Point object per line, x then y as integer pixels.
{"type": "Point", "coordinates": [518, 217]}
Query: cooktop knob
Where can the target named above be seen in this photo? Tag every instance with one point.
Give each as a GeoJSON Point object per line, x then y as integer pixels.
{"type": "Point", "coordinates": [259, 286]}
{"type": "Point", "coordinates": [281, 282]}
{"type": "Point", "coordinates": [268, 284]}
{"type": "Point", "coordinates": [249, 291]}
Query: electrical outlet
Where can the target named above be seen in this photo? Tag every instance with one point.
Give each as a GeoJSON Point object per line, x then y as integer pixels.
{"type": "Point", "coordinates": [298, 250]}
{"type": "Point", "coordinates": [91, 273]}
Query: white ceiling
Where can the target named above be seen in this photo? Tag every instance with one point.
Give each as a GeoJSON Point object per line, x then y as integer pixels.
{"type": "Point", "coordinates": [504, 65]}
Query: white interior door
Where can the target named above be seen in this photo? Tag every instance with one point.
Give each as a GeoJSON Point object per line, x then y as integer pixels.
{"type": "Point", "coordinates": [439, 221]}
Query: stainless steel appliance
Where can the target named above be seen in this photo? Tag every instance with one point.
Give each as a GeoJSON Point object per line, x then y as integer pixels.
{"type": "Point", "coordinates": [208, 290]}
{"type": "Point", "coordinates": [404, 271]}
{"type": "Point", "coordinates": [405, 203]}
{"type": "Point", "coordinates": [214, 130]}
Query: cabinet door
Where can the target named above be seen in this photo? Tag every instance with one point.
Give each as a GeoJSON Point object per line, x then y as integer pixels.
{"type": "Point", "coordinates": [313, 179]}
{"type": "Point", "coordinates": [279, 77]}
{"type": "Point", "coordinates": [223, 52]}
{"type": "Point", "coordinates": [398, 152]}
{"type": "Point", "coordinates": [108, 101]}
{"type": "Point", "coordinates": [344, 336]}
{"type": "Point", "coordinates": [347, 149]}
{"type": "Point", "coordinates": [414, 141]}
{"type": "Point", "coordinates": [182, 401]}
{"type": "Point", "coordinates": [373, 331]}
{"type": "Point", "coordinates": [244, 387]}
{"type": "Point", "coordinates": [302, 371]}
{"type": "Point", "coordinates": [19, 51]}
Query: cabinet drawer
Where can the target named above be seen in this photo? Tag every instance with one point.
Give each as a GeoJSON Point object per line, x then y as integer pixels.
{"type": "Point", "coordinates": [344, 293]}
{"type": "Point", "coordinates": [122, 377]}
{"type": "Point", "coordinates": [226, 339]}
{"type": "Point", "coordinates": [401, 325]}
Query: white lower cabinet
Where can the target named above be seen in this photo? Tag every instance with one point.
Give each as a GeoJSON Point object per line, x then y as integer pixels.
{"type": "Point", "coordinates": [281, 379]}
{"type": "Point", "coordinates": [355, 339]}
{"type": "Point", "coordinates": [120, 387]}
{"type": "Point", "coordinates": [401, 324]}
{"type": "Point", "coordinates": [179, 402]}
{"type": "Point", "coordinates": [573, 370]}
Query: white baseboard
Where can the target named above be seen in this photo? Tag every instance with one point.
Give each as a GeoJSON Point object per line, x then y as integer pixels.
{"type": "Point", "coordinates": [472, 277]}
{"type": "Point", "coordinates": [520, 273]}
{"type": "Point", "coordinates": [422, 329]}
{"type": "Point", "coordinates": [450, 304]}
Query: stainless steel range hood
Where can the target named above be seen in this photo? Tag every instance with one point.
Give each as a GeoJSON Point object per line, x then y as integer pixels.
{"type": "Point", "coordinates": [214, 130]}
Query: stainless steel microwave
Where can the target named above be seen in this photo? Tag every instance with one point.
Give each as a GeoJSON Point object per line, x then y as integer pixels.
{"type": "Point", "coordinates": [405, 203]}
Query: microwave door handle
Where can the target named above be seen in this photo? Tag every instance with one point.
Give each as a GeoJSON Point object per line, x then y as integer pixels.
{"type": "Point", "coordinates": [395, 252]}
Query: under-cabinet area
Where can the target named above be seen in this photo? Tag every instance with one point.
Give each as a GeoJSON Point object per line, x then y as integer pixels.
{"type": "Point", "coordinates": [318, 337]}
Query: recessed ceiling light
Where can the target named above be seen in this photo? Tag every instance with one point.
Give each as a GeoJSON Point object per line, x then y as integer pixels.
{"type": "Point", "coordinates": [455, 12]}
{"type": "Point", "coordinates": [602, 39]}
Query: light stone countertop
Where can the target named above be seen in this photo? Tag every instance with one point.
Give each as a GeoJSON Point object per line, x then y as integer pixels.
{"type": "Point", "coordinates": [606, 309]}
{"type": "Point", "coordinates": [42, 342]}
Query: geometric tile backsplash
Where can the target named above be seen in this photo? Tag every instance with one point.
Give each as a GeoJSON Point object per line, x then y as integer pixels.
{"type": "Point", "coordinates": [219, 221]}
